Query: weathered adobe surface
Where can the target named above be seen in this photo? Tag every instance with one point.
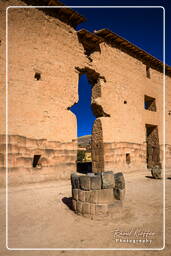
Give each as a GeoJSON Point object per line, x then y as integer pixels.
{"type": "Point", "coordinates": [56, 161]}
{"type": "Point", "coordinates": [168, 121]}
{"type": "Point", "coordinates": [122, 98]}
{"type": "Point", "coordinates": [39, 110]}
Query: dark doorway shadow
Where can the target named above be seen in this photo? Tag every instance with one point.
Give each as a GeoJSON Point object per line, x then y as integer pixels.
{"type": "Point", "coordinates": [169, 178]}
{"type": "Point", "coordinates": [68, 202]}
{"type": "Point", "coordinates": [84, 167]}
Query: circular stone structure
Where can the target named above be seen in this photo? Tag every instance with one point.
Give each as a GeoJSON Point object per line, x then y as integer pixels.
{"type": "Point", "coordinates": [97, 194]}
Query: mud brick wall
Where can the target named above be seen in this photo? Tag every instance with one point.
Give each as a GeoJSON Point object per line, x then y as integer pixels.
{"type": "Point", "coordinates": [97, 195]}
{"type": "Point", "coordinates": [39, 109]}
{"type": "Point", "coordinates": [39, 119]}
{"type": "Point", "coordinates": [57, 160]}
{"type": "Point", "coordinates": [122, 98]}
{"type": "Point", "coordinates": [168, 122]}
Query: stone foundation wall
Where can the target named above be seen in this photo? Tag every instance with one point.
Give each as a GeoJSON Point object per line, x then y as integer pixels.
{"type": "Point", "coordinates": [124, 156]}
{"type": "Point", "coordinates": [57, 160]}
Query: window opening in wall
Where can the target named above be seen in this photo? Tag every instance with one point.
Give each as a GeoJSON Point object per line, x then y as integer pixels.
{"type": "Point", "coordinates": [37, 76]}
{"type": "Point", "coordinates": [125, 102]}
{"type": "Point", "coordinates": [128, 158]}
{"type": "Point", "coordinates": [149, 103]}
{"type": "Point", "coordinates": [148, 72]}
{"type": "Point", "coordinates": [153, 148]}
{"type": "Point", "coordinates": [36, 159]}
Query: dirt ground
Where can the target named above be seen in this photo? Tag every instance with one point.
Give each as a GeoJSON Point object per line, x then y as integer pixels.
{"type": "Point", "coordinates": [39, 217]}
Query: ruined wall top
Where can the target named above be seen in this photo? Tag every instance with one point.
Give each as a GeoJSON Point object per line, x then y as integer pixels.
{"type": "Point", "coordinates": [65, 14]}
{"type": "Point", "coordinates": [91, 40]}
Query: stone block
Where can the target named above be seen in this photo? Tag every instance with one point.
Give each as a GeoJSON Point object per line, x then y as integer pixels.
{"type": "Point", "coordinates": [101, 209]}
{"type": "Point", "coordinates": [81, 195]}
{"type": "Point", "coordinates": [119, 180]}
{"type": "Point", "coordinates": [94, 196]}
{"type": "Point", "coordinates": [96, 182]}
{"type": "Point", "coordinates": [91, 174]}
{"type": "Point", "coordinates": [87, 196]}
{"type": "Point", "coordinates": [86, 208]}
{"type": "Point", "coordinates": [119, 194]}
{"type": "Point", "coordinates": [108, 180]}
{"type": "Point", "coordinates": [75, 180]}
{"type": "Point", "coordinates": [79, 206]}
{"type": "Point", "coordinates": [84, 182]}
{"type": "Point", "coordinates": [105, 196]}
{"type": "Point", "coordinates": [74, 205]}
{"type": "Point", "coordinates": [156, 172]}
{"type": "Point", "coordinates": [75, 193]}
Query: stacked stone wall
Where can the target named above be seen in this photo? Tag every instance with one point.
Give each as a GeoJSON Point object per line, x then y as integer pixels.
{"type": "Point", "coordinates": [97, 195]}
{"type": "Point", "coordinates": [57, 160]}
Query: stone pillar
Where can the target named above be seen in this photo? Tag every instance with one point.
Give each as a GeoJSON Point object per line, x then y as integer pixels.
{"type": "Point", "coordinates": [97, 147]}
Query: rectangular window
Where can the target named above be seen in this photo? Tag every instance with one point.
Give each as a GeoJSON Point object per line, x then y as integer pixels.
{"type": "Point", "coordinates": [149, 103]}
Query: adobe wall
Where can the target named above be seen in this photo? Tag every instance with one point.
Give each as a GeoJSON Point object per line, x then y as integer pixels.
{"type": "Point", "coordinates": [39, 121]}
{"type": "Point", "coordinates": [168, 122]}
{"type": "Point", "coordinates": [122, 98]}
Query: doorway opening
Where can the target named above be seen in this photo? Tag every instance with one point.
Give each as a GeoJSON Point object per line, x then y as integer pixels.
{"type": "Point", "coordinates": [86, 111]}
{"type": "Point", "coordinates": [153, 148]}
{"type": "Point", "coordinates": [85, 120]}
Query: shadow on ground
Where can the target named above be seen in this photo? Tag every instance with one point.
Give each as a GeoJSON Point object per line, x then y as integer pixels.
{"type": "Point", "coordinates": [150, 177]}
{"type": "Point", "coordinates": [68, 202]}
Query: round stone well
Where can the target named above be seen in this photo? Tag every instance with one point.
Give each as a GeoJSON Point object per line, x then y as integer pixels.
{"type": "Point", "coordinates": [97, 194]}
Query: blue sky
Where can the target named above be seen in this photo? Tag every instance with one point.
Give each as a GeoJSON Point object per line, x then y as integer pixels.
{"type": "Point", "coordinates": [141, 26]}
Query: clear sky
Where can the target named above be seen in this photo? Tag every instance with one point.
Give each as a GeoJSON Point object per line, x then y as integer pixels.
{"type": "Point", "coordinates": [141, 26]}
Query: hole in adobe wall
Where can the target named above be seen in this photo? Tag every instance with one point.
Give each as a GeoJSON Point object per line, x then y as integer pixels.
{"type": "Point", "coordinates": [148, 72]}
{"type": "Point", "coordinates": [36, 159]}
{"type": "Point", "coordinates": [125, 102]}
{"type": "Point", "coordinates": [128, 158]}
{"type": "Point", "coordinates": [149, 103]}
{"type": "Point", "coordinates": [37, 76]}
